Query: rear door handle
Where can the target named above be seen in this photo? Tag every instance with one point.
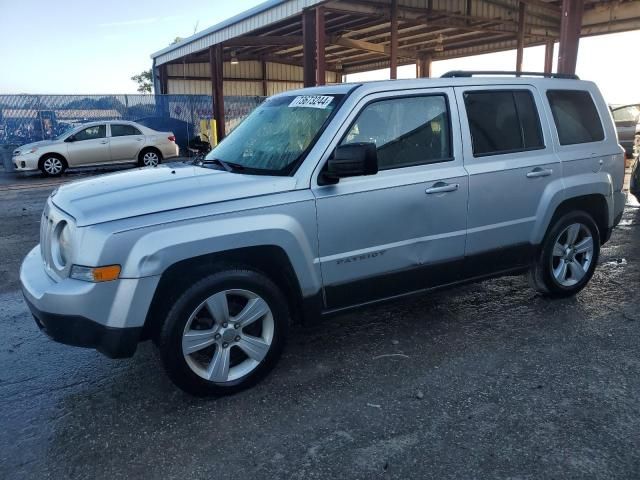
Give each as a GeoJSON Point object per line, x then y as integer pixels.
{"type": "Point", "coordinates": [104, 141]}
{"type": "Point", "coordinates": [539, 172]}
{"type": "Point", "coordinates": [441, 187]}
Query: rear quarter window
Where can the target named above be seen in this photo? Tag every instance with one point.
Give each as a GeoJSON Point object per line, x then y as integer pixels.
{"type": "Point", "coordinates": [575, 116]}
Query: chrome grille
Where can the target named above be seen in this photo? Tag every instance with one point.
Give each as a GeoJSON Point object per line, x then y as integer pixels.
{"type": "Point", "coordinates": [46, 230]}
{"type": "Point", "coordinates": [51, 217]}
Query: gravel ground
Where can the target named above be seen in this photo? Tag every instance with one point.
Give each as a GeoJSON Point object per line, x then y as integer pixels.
{"type": "Point", "coordinates": [484, 381]}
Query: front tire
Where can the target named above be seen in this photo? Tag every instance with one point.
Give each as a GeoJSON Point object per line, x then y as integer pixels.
{"type": "Point", "coordinates": [225, 333]}
{"type": "Point", "coordinates": [52, 165]}
{"type": "Point", "coordinates": [568, 256]}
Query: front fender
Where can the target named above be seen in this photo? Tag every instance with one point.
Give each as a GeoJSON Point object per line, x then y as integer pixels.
{"type": "Point", "coordinates": [562, 189]}
{"type": "Point", "coordinates": [155, 251]}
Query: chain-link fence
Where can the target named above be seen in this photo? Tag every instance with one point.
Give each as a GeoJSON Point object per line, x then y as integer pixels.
{"type": "Point", "coordinates": [31, 118]}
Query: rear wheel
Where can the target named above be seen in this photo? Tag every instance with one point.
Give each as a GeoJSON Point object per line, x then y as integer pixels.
{"type": "Point", "coordinates": [224, 333]}
{"type": "Point", "coordinates": [568, 256]}
{"type": "Point", "coordinates": [52, 165]}
{"type": "Point", "coordinates": [150, 158]}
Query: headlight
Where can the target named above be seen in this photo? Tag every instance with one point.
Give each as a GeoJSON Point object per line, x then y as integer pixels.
{"type": "Point", "coordinates": [61, 245]}
{"type": "Point", "coordinates": [64, 245]}
{"type": "Point", "coordinates": [29, 150]}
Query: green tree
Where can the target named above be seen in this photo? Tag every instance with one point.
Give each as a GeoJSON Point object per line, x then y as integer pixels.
{"type": "Point", "coordinates": [144, 81]}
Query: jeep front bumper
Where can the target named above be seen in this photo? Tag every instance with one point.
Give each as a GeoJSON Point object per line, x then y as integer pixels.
{"type": "Point", "coordinates": [107, 316]}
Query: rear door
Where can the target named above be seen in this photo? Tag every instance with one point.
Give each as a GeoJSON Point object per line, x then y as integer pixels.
{"type": "Point", "coordinates": [510, 160]}
{"type": "Point", "coordinates": [125, 142]}
{"type": "Point", "coordinates": [90, 145]}
{"type": "Point", "coordinates": [402, 229]}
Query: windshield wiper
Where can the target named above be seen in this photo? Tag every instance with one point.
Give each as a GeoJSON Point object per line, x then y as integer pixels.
{"type": "Point", "coordinates": [229, 167]}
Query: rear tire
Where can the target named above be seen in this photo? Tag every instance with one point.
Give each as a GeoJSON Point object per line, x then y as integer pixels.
{"type": "Point", "coordinates": [52, 165]}
{"type": "Point", "coordinates": [149, 158]}
{"type": "Point", "coordinates": [568, 256]}
{"type": "Point", "coordinates": [225, 333]}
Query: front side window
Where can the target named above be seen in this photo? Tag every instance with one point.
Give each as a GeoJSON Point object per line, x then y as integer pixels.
{"type": "Point", "coordinates": [575, 116]}
{"type": "Point", "coordinates": [275, 136]}
{"type": "Point", "coordinates": [124, 130]}
{"type": "Point", "coordinates": [406, 131]}
{"type": "Point", "coordinates": [503, 121]}
{"type": "Point", "coordinates": [91, 133]}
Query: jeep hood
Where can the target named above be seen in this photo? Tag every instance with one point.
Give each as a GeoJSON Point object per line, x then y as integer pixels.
{"type": "Point", "coordinates": [166, 187]}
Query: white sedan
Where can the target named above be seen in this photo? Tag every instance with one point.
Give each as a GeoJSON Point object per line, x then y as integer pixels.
{"type": "Point", "coordinates": [97, 143]}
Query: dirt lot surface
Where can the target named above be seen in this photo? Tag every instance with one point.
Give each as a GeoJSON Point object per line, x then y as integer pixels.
{"type": "Point", "coordinates": [484, 381]}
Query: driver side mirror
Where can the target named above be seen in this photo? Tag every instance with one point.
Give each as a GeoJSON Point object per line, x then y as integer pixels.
{"type": "Point", "coordinates": [72, 138]}
{"type": "Point", "coordinates": [351, 160]}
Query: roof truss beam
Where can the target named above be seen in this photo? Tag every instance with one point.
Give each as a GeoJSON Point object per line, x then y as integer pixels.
{"type": "Point", "coordinates": [370, 47]}
{"type": "Point", "coordinates": [264, 41]}
{"type": "Point", "coordinates": [424, 16]}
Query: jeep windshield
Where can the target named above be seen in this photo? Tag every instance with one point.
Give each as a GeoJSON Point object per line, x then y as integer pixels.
{"type": "Point", "coordinates": [276, 136]}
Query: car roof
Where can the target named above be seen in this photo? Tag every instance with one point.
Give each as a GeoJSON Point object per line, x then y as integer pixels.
{"type": "Point", "coordinates": [103, 122]}
{"type": "Point", "coordinates": [365, 88]}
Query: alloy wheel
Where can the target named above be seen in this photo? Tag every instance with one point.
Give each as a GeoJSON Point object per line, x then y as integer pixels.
{"type": "Point", "coordinates": [52, 165]}
{"type": "Point", "coordinates": [572, 255]}
{"type": "Point", "coordinates": [150, 159]}
{"type": "Point", "coordinates": [228, 335]}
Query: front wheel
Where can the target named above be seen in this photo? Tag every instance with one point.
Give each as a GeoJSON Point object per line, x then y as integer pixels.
{"type": "Point", "coordinates": [52, 166]}
{"type": "Point", "coordinates": [568, 256]}
{"type": "Point", "coordinates": [224, 333]}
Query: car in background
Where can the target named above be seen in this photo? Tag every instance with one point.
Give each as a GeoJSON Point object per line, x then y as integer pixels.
{"type": "Point", "coordinates": [627, 120]}
{"type": "Point", "coordinates": [97, 143]}
{"type": "Point", "coordinates": [182, 130]}
{"type": "Point", "coordinates": [634, 184]}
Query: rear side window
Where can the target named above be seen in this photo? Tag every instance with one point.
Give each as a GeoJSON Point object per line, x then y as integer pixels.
{"type": "Point", "coordinates": [124, 130]}
{"type": "Point", "coordinates": [575, 116]}
{"type": "Point", "coordinates": [628, 114]}
{"type": "Point", "coordinates": [503, 121]}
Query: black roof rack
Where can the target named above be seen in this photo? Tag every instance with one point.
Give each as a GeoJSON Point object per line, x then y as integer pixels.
{"type": "Point", "coordinates": [470, 73]}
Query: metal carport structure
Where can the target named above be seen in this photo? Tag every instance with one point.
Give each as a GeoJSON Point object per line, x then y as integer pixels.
{"type": "Point", "coordinates": [286, 44]}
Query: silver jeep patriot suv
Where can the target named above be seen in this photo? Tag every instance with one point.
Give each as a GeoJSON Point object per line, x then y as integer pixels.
{"type": "Point", "coordinates": [326, 199]}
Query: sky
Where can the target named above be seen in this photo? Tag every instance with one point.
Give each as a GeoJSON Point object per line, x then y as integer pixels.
{"type": "Point", "coordinates": [80, 47]}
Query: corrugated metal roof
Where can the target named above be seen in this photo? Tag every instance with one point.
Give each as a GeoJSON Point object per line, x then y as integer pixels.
{"type": "Point", "coordinates": [358, 31]}
{"type": "Point", "coordinates": [261, 15]}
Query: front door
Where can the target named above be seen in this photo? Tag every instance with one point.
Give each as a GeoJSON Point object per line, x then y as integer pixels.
{"type": "Point", "coordinates": [402, 229]}
{"type": "Point", "coordinates": [89, 146]}
{"type": "Point", "coordinates": [510, 161]}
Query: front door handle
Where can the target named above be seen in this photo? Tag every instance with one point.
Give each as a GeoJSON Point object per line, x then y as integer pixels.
{"type": "Point", "coordinates": [539, 172]}
{"type": "Point", "coordinates": [441, 187]}
{"type": "Point", "coordinates": [104, 142]}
